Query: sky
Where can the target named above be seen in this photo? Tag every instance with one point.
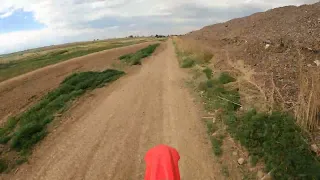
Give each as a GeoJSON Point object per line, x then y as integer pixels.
{"type": "Point", "coordinates": [26, 24]}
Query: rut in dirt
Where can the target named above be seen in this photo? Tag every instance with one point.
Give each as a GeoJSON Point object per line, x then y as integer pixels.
{"type": "Point", "coordinates": [108, 140]}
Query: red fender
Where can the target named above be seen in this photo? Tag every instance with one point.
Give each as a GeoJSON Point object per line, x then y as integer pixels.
{"type": "Point", "coordinates": [162, 163]}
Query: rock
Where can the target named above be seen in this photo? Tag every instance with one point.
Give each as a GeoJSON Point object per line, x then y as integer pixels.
{"type": "Point", "coordinates": [317, 62]}
{"type": "Point", "coordinates": [267, 46]}
{"type": "Point", "coordinates": [315, 148]}
{"type": "Point", "coordinates": [309, 65]}
{"type": "Point", "coordinates": [260, 174]}
{"type": "Point", "coordinates": [213, 120]}
{"type": "Point", "coordinates": [214, 134]}
{"type": "Point", "coordinates": [240, 161]}
{"type": "Point", "coordinates": [235, 153]}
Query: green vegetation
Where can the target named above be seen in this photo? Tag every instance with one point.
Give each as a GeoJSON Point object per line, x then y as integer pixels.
{"type": "Point", "coordinates": [30, 63]}
{"type": "Point", "coordinates": [216, 145]}
{"type": "Point", "coordinates": [278, 141]}
{"type": "Point", "coordinates": [208, 72]}
{"type": "Point", "coordinates": [21, 133]}
{"type": "Point", "coordinates": [275, 138]}
{"type": "Point", "coordinates": [216, 140]}
{"type": "Point", "coordinates": [187, 63]}
{"type": "Point", "coordinates": [135, 58]}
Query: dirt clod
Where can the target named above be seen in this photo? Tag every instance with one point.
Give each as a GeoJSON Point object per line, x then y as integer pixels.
{"type": "Point", "coordinates": [241, 161]}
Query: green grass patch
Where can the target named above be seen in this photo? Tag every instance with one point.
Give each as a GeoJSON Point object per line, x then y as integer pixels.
{"type": "Point", "coordinates": [21, 133]}
{"type": "Point", "coordinates": [135, 58]}
{"type": "Point", "coordinates": [278, 141]}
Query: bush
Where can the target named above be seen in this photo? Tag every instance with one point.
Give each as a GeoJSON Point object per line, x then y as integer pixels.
{"type": "Point", "coordinates": [225, 78]}
{"type": "Point", "coordinates": [208, 72]}
{"type": "Point", "coordinates": [187, 63]}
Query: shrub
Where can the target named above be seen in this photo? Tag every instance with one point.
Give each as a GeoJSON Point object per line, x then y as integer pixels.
{"type": "Point", "coordinates": [208, 72]}
{"type": "Point", "coordinates": [225, 78]}
{"type": "Point", "coordinates": [187, 63]}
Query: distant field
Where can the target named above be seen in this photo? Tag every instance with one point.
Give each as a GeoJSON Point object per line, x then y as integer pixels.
{"type": "Point", "coordinates": [15, 64]}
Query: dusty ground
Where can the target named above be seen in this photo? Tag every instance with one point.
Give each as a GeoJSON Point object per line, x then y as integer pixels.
{"type": "Point", "coordinates": [107, 135]}
{"type": "Point", "coordinates": [20, 92]}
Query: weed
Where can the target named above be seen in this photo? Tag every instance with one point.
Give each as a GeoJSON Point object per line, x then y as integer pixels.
{"type": "Point", "coordinates": [135, 58]}
{"type": "Point", "coordinates": [216, 145]}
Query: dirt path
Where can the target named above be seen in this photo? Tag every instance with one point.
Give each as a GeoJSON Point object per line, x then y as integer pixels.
{"type": "Point", "coordinates": [110, 136]}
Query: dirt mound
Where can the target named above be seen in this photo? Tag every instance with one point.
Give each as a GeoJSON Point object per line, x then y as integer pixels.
{"type": "Point", "coordinates": [282, 45]}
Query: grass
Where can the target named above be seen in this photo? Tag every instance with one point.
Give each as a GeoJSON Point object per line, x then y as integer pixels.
{"type": "Point", "coordinates": [216, 143]}
{"type": "Point", "coordinates": [135, 58]}
{"type": "Point", "coordinates": [22, 132]}
{"type": "Point", "coordinates": [27, 64]}
{"type": "Point", "coordinates": [275, 138]}
{"type": "Point", "coordinates": [188, 59]}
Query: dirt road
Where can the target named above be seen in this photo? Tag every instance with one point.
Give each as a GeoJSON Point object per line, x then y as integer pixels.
{"type": "Point", "coordinates": [107, 136]}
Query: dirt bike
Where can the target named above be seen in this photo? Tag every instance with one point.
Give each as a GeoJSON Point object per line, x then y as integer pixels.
{"type": "Point", "coordinates": [162, 163]}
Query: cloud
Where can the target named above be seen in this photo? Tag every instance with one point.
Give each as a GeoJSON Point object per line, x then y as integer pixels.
{"type": "Point", "coordinates": [76, 20]}
{"type": "Point", "coordinates": [7, 14]}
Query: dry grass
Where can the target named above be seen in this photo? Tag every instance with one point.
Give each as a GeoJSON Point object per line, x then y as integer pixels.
{"type": "Point", "coordinates": [307, 108]}
{"type": "Point", "coordinates": [201, 54]}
